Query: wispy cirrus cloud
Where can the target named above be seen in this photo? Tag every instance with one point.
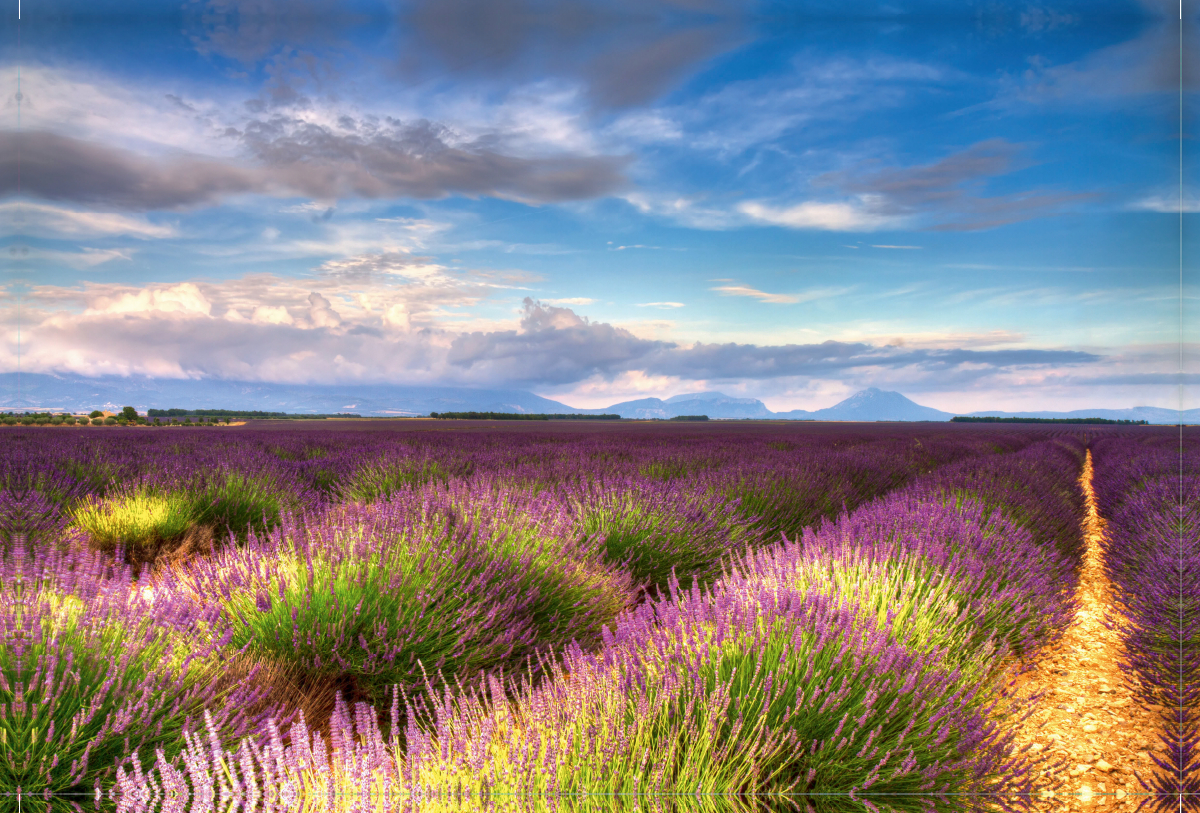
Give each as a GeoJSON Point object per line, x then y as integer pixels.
{"type": "Point", "coordinates": [44, 220]}
{"type": "Point", "coordinates": [778, 299]}
{"type": "Point", "coordinates": [763, 296]}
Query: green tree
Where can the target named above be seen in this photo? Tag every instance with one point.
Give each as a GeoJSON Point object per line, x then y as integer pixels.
{"type": "Point", "coordinates": [95, 413]}
{"type": "Point", "coordinates": [129, 413]}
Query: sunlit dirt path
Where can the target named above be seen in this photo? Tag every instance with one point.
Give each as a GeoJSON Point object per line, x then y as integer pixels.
{"type": "Point", "coordinates": [1087, 718]}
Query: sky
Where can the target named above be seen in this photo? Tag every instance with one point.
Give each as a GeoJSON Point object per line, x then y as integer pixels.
{"type": "Point", "coordinates": [977, 205]}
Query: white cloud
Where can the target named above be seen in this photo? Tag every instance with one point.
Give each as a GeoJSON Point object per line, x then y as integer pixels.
{"type": "Point", "coordinates": [271, 315]}
{"type": "Point", "coordinates": [745, 290]}
{"type": "Point", "coordinates": [86, 258]}
{"type": "Point", "coordinates": [45, 220]}
{"type": "Point", "coordinates": [661, 305]}
{"type": "Point", "coordinates": [575, 300]}
{"type": "Point", "coordinates": [184, 299]}
{"type": "Point", "coordinates": [1167, 203]}
{"type": "Point", "coordinates": [909, 247]}
{"type": "Point", "coordinates": [823, 216]}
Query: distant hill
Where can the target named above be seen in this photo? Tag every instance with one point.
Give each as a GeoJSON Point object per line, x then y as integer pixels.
{"type": "Point", "coordinates": [65, 392]}
{"type": "Point", "coordinates": [74, 393]}
{"type": "Point", "coordinates": [872, 405]}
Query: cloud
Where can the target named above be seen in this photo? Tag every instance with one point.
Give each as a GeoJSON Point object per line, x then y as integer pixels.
{"type": "Point", "coordinates": [743, 290]}
{"type": "Point", "coordinates": [293, 157]}
{"type": "Point", "coordinates": [43, 220]}
{"type": "Point", "coordinates": [60, 168]}
{"type": "Point", "coordinates": [661, 305]}
{"type": "Point", "coordinates": [1167, 203]}
{"type": "Point", "coordinates": [895, 246]}
{"type": "Point", "coordinates": [948, 193]}
{"type": "Point", "coordinates": [270, 329]}
{"type": "Point", "coordinates": [831, 359]}
{"type": "Point", "coordinates": [184, 299]}
{"type": "Point", "coordinates": [575, 300]}
{"type": "Point", "coordinates": [553, 346]}
{"type": "Point", "coordinates": [782, 299]}
{"type": "Point", "coordinates": [79, 260]}
{"type": "Point", "coordinates": [825, 216]}
{"type": "Point", "coordinates": [1148, 64]}
{"type": "Point", "coordinates": [418, 159]}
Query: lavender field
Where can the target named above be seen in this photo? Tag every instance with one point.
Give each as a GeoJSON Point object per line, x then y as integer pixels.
{"type": "Point", "coordinates": [472, 616]}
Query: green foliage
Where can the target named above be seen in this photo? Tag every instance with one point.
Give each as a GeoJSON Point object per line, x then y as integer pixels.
{"type": "Point", "coordinates": [382, 479]}
{"type": "Point", "coordinates": [141, 521]}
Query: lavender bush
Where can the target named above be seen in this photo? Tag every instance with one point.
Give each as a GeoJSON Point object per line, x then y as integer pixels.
{"type": "Point", "coordinates": [89, 676]}
{"type": "Point", "coordinates": [1152, 555]}
{"type": "Point", "coordinates": [382, 594]}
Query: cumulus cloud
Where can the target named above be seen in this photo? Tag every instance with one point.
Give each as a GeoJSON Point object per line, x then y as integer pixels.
{"type": "Point", "coordinates": [184, 299]}
{"type": "Point", "coordinates": [554, 345]}
{"type": "Point", "coordinates": [261, 328]}
{"type": "Point", "coordinates": [321, 312]}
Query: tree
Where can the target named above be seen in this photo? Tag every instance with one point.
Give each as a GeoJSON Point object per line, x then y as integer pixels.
{"type": "Point", "coordinates": [129, 413]}
{"type": "Point", "coordinates": [95, 413]}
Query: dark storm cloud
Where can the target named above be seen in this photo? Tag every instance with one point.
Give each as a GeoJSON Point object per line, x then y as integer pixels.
{"type": "Point", "coordinates": [556, 346]}
{"type": "Point", "coordinates": [295, 158]}
{"type": "Point", "coordinates": [57, 167]}
{"type": "Point", "coordinates": [950, 190]}
{"type": "Point", "coordinates": [397, 159]}
{"type": "Point", "coordinates": [625, 52]}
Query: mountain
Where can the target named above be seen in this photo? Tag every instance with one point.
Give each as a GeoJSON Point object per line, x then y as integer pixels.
{"type": "Point", "coordinates": [66, 392]}
{"type": "Point", "coordinates": [75, 393]}
{"type": "Point", "coordinates": [877, 405]}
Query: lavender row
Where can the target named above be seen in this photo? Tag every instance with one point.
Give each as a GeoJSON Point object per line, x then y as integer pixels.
{"type": "Point", "coordinates": [489, 536]}
{"type": "Point", "coordinates": [155, 492]}
{"type": "Point", "coordinates": [793, 674]}
{"type": "Point", "coordinates": [1152, 555]}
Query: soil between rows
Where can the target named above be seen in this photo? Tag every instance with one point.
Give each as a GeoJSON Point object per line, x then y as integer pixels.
{"type": "Point", "coordinates": [1088, 718]}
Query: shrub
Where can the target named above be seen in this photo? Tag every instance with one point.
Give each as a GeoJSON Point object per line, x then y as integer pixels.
{"type": "Point", "coordinates": [656, 527]}
{"type": "Point", "coordinates": [771, 691]}
{"type": "Point", "coordinates": [101, 679]}
{"type": "Point", "coordinates": [369, 597]}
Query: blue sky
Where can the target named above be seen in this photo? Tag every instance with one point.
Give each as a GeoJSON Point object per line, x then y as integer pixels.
{"type": "Point", "coordinates": [973, 204]}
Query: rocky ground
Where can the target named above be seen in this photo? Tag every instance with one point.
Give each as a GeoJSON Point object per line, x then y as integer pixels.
{"type": "Point", "coordinates": [1088, 719]}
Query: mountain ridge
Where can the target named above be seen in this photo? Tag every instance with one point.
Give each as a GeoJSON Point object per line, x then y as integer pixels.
{"type": "Point", "coordinates": [69, 392]}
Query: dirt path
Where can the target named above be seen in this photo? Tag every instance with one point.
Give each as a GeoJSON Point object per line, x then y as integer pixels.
{"type": "Point", "coordinates": [1088, 718]}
